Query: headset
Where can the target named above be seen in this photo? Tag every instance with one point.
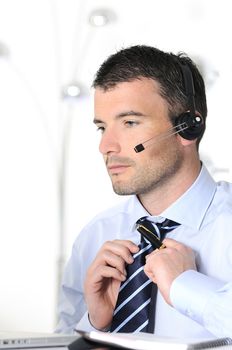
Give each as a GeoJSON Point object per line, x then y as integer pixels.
{"type": "Point", "coordinates": [189, 124]}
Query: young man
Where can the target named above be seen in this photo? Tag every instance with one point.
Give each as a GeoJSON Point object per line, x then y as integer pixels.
{"type": "Point", "coordinates": [145, 97]}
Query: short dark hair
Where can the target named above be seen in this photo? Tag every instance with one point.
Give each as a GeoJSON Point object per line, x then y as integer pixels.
{"type": "Point", "coordinates": [142, 61]}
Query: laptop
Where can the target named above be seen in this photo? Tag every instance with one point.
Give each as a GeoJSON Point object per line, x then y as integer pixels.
{"type": "Point", "coordinates": [21, 340]}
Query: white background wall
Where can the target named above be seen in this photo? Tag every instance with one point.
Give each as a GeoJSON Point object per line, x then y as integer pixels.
{"type": "Point", "coordinates": [52, 179]}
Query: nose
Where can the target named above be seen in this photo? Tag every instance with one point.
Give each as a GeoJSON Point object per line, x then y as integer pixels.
{"type": "Point", "coordinates": [109, 143]}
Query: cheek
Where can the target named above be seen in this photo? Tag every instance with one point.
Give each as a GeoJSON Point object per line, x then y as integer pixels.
{"type": "Point", "coordinates": [132, 142]}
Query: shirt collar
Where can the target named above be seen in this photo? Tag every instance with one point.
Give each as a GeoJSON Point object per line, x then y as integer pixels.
{"type": "Point", "coordinates": [189, 209]}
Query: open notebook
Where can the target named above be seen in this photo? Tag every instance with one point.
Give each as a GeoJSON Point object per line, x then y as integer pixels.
{"type": "Point", "coordinates": [14, 340]}
{"type": "Point", "coordinates": [145, 341]}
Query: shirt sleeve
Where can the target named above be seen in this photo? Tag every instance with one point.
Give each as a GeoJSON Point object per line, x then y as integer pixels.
{"type": "Point", "coordinates": [71, 306]}
{"type": "Point", "coordinates": [84, 324]}
{"type": "Point", "coordinates": [205, 300]}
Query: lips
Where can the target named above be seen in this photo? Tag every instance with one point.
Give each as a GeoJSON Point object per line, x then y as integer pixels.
{"type": "Point", "coordinates": [117, 168]}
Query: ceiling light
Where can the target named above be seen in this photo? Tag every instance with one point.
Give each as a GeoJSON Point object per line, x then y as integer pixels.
{"type": "Point", "coordinates": [101, 17]}
{"type": "Point", "coordinates": [73, 90]}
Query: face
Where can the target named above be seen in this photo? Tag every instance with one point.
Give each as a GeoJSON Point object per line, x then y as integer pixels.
{"type": "Point", "coordinates": [129, 114]}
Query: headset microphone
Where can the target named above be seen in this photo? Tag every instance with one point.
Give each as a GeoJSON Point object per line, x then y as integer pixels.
{"type": "Point", "coordinates": [180, 129]}
{"type": "Point", "coordinates": [188, 125]}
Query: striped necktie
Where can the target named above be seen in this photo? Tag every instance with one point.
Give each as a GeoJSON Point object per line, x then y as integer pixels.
{"type": "Point", "coordinates": [131, 314]}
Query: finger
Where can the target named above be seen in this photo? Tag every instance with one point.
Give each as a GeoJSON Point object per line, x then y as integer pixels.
{"type": "Point", "coordinates": [154, 252]}
{"type": "Point", "coordinates": [172, 243]}
{"type": "Point", "coordinates": [128, 244]}
{"type": "Point", "coordinates": [114, 260]}
{"type": "Point", "coordinates": [124, 249]}
{"type": "Point", "coordinates": [109, 272]}
{"type": "Point", "coordinates": [149, 274]}
{"type": "Point", "coordinates": [180, 247]}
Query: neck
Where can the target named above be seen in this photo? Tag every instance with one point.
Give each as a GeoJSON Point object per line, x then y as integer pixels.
{"type": "Point", "coordinates": [160, 198]}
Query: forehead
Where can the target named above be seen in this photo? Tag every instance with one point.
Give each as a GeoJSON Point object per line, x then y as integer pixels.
{"type": "Point", "coordinates": [142, 95]}
{"type": "Point", "coordinates": [135, 86]}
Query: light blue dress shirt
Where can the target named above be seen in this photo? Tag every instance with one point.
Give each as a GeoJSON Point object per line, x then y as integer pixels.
{"type": "Point", "coordinates": [202, 299]}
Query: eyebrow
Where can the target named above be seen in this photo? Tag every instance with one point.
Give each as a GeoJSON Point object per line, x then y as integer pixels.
{"type": "Point", "coordinates": [122, 115]}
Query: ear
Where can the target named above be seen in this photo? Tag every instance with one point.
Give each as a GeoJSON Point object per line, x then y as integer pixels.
{"type": "Point", "coordinates": [186, 142]}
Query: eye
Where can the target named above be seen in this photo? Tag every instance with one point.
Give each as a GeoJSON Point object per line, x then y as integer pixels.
{"type": "Point", "coordinates": [131, 123]}
{"type": "Point", "coordinates": [101, 129]}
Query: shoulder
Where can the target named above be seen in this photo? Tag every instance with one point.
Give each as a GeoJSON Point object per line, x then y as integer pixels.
{"type": "Point", "coordinates": [108, 224]}
{"type": "Point", "coordinates": [112, 214]}
{"type": "Point", "coordinates": [223, 197]}
{"type": "Point", "coordinates": [220, 210]}
{"type": "Point", "coordinates": [225, 186]}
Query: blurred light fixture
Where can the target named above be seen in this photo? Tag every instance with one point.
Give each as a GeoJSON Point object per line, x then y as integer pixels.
{"type": "Point", "coordinates": [207, 69]}
{"type": "Point", "coordinates": [101, 17]}
{"type": "Point", "coordinates": [73, 90]}
{"type": "Point", "coordinates": [4, 51]}
{"type": "Point", "coordinates": [211, 76]}
{"type": "Point", "coordinates": [213, 168]}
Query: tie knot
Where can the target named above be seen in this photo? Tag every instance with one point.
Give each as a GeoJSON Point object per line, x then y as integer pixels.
{"type": "Point", "coordinates": [159, 229]}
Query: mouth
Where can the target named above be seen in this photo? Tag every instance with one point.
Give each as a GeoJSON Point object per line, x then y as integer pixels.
{"type": "Point", "coordinates": [117, 168]}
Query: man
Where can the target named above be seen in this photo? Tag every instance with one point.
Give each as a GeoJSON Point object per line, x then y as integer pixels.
{"type": "Point", "coordinates": [141, 98]}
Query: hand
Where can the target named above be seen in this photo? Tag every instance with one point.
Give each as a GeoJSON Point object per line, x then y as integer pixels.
{"type": "Point", "coordinates": [163, 266]}
{"type": "Point", "coordinates": [103, 280]}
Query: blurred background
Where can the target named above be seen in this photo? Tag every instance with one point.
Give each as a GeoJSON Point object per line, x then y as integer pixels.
{"type": "Point", "coordinates": [52, 179]}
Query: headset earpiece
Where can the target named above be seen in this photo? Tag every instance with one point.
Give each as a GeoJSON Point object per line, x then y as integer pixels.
{"type": "Point", "coordinates": [190, 125]}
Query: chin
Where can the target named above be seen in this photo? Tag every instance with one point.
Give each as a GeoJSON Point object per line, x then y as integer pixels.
{"type": "Point", "coordinates": [122, 189]}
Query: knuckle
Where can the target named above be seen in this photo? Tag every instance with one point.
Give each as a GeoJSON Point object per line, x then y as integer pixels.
{"type": "Point", "coordinates": [107, 244]}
